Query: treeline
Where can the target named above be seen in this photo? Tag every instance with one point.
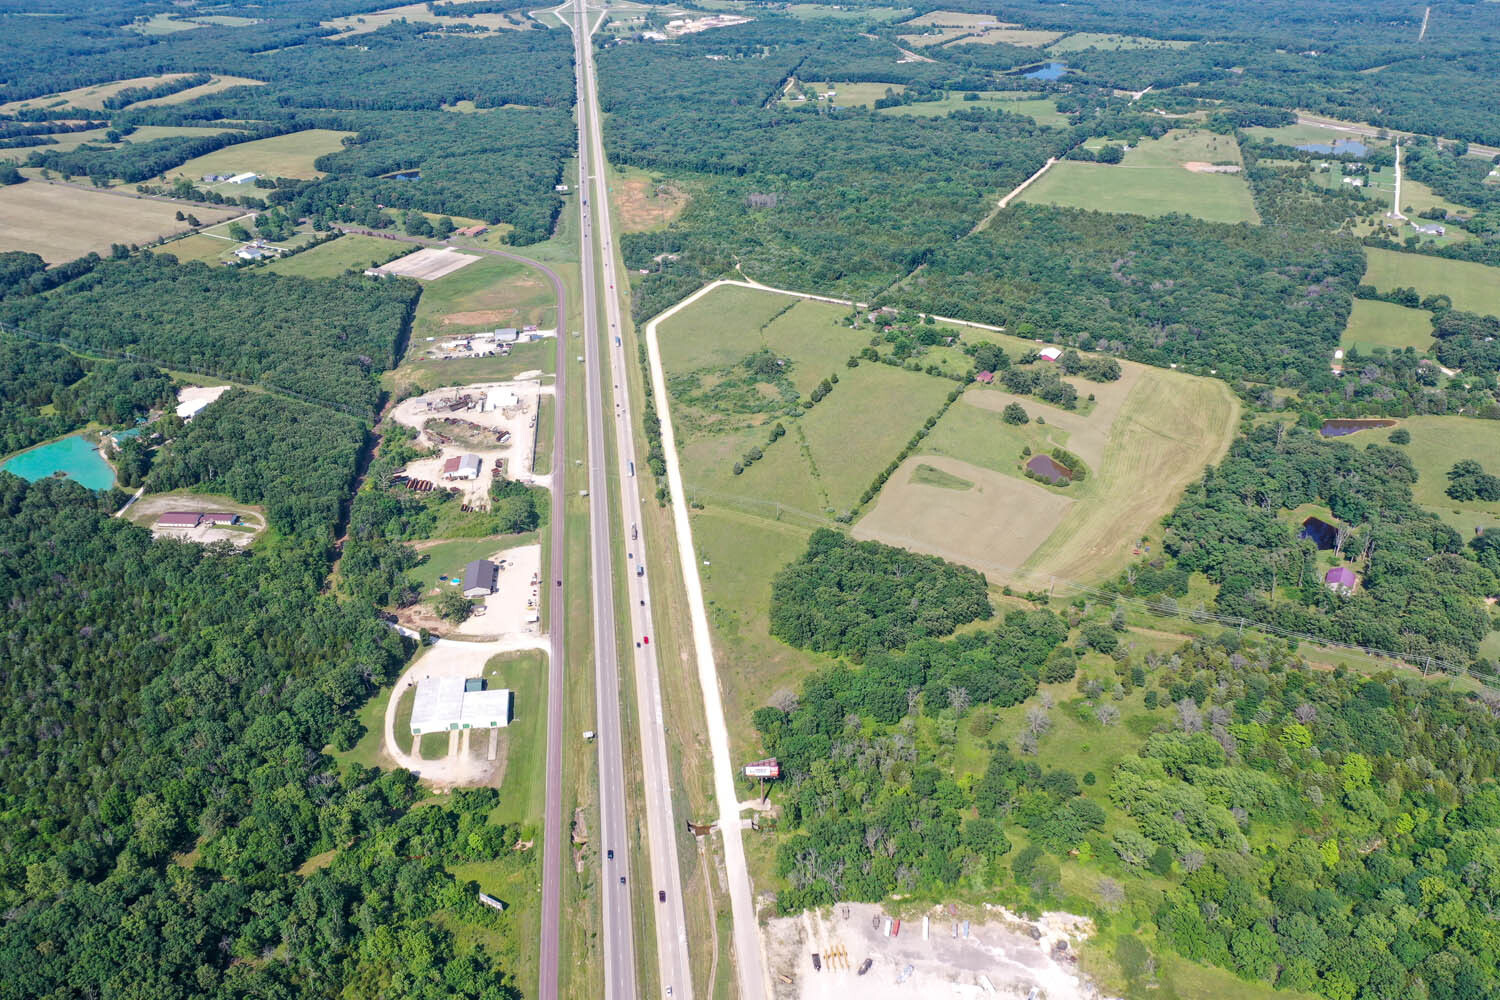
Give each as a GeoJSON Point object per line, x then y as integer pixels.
{"type": "Point", "coordinates": [1158, 290]}
{"type": "Point", "coordinates": [166, 784]}
{"type": "Point", "coordinates": [296, 459]}
{"type": "Point", "coordinates": [322, 339]}
{"type": "Point", "coordinates": [858, 598]}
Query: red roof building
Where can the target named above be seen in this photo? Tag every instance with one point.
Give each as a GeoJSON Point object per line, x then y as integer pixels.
{"type": "Point", "coordinates": [179, 519]}
{"type": "Point", "coordinates": [451, 465]}
{"type": "Point", "coordinates": [985, 377]}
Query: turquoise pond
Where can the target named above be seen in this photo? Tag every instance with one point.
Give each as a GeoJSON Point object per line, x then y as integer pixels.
{"type": "Point", "coordinates": [73, 456]}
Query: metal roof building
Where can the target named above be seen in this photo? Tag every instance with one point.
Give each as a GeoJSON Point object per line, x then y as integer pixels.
{"type": "Point", "coordinates": [480, 578]}
{"type": "Point", "coordinates": [441, 704]}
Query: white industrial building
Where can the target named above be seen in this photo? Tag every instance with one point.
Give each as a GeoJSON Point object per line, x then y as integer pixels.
{"type": "Point", "coordinates": [242, 178]}
{"type": "Point", "coordinates": [500, 399]}
{"type": "Point", "coordinates": [442, 703]}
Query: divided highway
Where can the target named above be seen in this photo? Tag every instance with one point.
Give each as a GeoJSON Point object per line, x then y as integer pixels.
{"type": "Point", "coordinates": [663, 893]}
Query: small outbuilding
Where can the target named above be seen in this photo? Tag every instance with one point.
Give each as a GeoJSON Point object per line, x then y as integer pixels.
{"type": "Point", "coordinates": [1341, 580]}
{"type": "Point", "coordinates": [480, 578]}
{"type": "Point", "coordinates": [1050, 353]}
{"type": "Point", "coordinates": [985, 378]}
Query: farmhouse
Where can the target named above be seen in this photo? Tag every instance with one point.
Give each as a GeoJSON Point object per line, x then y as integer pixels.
{"type": "Point", "coordinates": [1049, 353]}
{"type": "Point", "coordinates": [480, 578]}
{"type": "Point", "coordinates": [1355, 181]}
{"type": "Point", "coordinates": [461, 467]}
{"type": "Point", "coordinates": [1341, 580]}
{"type": "Point", "coordinates": [985, 378]}
{"type": "Point", "coordinates": [444, 703]}
{"type": "Point", "coordinates": [251, 252]}
{"type": "Point", "coordinates": [473, 230]}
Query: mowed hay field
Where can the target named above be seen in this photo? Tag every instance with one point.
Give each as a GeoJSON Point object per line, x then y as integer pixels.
{"type": "Point", "coordinates": [1384, 324]}
{"type": "Point", "coordinates": [289, 155]}
{"type": "Point", "coordinates": [332, 259]}
{"type": "Point", "coordinates": [833, 451]}
{"type": "Point", "coordinates": [488, 293]}
{"type": "Point", "coordinates": [91, 97]}
{"type": "Point", "coordinates": [62, 223]}
{"type": "Point", "coordinates": [1437, 443]}
{"type": "Point", "coordinates": [1154, 179]}
{"type": "Point", "coordinates": [1150, 435]}
{"type": "Point", "coordinates": [1472, 287]}
{"type": "Point", "coordinates": [1080, 40]}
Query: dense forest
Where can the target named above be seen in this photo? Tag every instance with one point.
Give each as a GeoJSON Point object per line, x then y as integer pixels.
{"type": "Point", "coordinates": [320, 339]}
{"type": "Point", "coordinates": [857, 598]}
{"type": "Point", "coordinates": [296, 459]}
{"type": "Point", "coordinates": [1238, 299]}
{"type": "Point", "coordinates": [166, 796]}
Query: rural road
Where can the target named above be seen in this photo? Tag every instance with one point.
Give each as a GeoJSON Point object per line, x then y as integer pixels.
{"type": "Point", "coordinates": [553, 828]}
{"type": "Point", "coordinates": [615, 880]}
{"type": "Point", "coordinates": [664, 892]}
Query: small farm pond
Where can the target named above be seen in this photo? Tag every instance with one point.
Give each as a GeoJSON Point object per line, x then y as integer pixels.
{"type": "Point", "coordinates": [1049, 469]}
{"type": "Point", "coordinates": [1341, 428]}
{"type": "Point", "coordinates": [74, 456]}
{"type": "Point", "coordinates": [1051, 71]}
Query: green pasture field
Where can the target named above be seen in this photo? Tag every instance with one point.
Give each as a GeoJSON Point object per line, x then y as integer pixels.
{"type": "Point", "coordinates": [62, 222]}
{"type": "Point", "coordinates": [289, 155]}
{"type": "Point", "coordinates": [1473, 287]}
{"type": "Point", "coordinates": [1153, 180]}
{"type": "Point", "coordinates": [1150, 434]}
{"type": "Point", "coordinates": [523, 742]}
{"type": "Point", "coordinates": [1297, 135]}
{"type": "Point", "coordinates": [1029, 37]}
{"type": "Point", "coordinates": [1383, 324]}
{"type": "Point", "coordinates": [929, 475]}
{"type": "Point", "coordinates": [1080, 40]}
{"type": "Point", "coordinates": [332, 259]}
{"type": "Point", "coordinates": [213, 86]}
{"type": "Point", "coordinates": [1417, 197]}
{"type": "Point", "coordinates": [848, 95]}
{"type": "Point", "coordinates": [1437, 442]}
{"type": "Point", "coordinates": [66, 142]}
{"type": "Point", "coordinates": [91, 97]}
{"type": "Point", "coordinates": [1041, 110]}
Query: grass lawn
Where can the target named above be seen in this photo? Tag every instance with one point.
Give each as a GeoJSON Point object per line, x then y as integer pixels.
{"type": "Point", "coordinates": [448, 558]}
{"type": "Point", "coordinates": [402, 724]}
{"type": "Point", "coordinates": [62, 223]}
{"type": "Point", "coordinates": [523, 743]}
{"type": "Point", "coordinates": [1153, 180]}
{"type": "Point", "coordinates": [334, 258]}
{"type": "Point", "coordinates": [1418, 197]}
{"type": "Point", "coordinates": [1473, 287]}
{"type": "Point", "coordinates": [289, 155]}
{"type": "Point", "coordinates": [1384, 324]}
{"type": "Point", "coordinates": [488, 293]}
{"type": "Point", "coordinates": [1436, 444]}
{"type": "Point", "coordinates": [541, 463]}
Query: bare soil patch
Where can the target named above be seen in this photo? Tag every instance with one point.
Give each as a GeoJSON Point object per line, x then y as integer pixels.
{"type": "Point", "coordinates": [644, 205]}
{"type": "Point", "coordinates": [1199, 167]}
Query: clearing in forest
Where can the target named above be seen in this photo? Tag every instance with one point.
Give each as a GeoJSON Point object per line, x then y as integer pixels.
{"type": "Point", "coordinates": [1373, 323]}
{"type": "Point", "coordinates": [418, 13]}
{"type": "Point", "coordinates": [91, 97]}
{"type": "Point", "coordinates": [1154, 179]}
{"type": "Point", "coordinates": [290, 155]}
{"type": "Point", "coordinates": [1147, 437]}
{"type": "Point", "coordinates": [644, 202]}
{"type": "Point", "coordinates": [61, 222]}
{"type": "Point", "coordinates": [1472, 287]}
{"type": "Point", "coordinates": [1080, 40]}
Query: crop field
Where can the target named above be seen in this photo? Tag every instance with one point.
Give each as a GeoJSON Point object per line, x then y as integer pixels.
{"type": "Point", "coordinates": [1150, 434]}
{"type": "Point", "coordinates": [1080, 40]}
{"type": "Point", "coordinates": [1473, 287]}
{"type": "Point", "coordinates": [61, 222]}
{"type": "Point", "coordinates": [332, 259]}
{"type": "Point", "coordinates": [1436, 444]}
{"type": "Point", "coordinates": [1156, 177]}
{"type": "Point", "coordinates": [279, 156]}
{"type": "Point", "coordinates": [1384, 324]}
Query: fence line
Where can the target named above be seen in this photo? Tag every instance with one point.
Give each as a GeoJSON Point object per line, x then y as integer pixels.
{"type": "Point", "coordinates": [90, 349]}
